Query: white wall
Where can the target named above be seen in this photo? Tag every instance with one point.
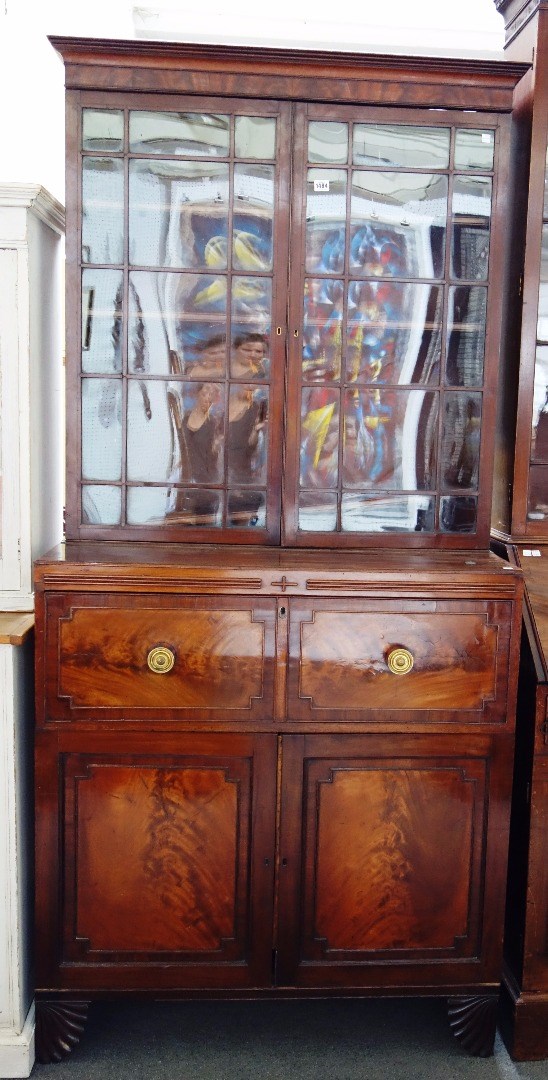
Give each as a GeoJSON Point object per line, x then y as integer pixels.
{"type": "Point", "coordinates": [31, 75]}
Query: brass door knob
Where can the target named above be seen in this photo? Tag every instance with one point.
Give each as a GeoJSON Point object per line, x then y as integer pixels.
{"type": "Point", "coordinates": [161, 659]}
{"type": "Point", "coordinates": [400, 661]}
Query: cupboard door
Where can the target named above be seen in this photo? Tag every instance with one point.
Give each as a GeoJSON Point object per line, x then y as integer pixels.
{"type": "Point", "coordinates": [114, 657]}
{"type": "Point", "coordinates": [166, 861]}
{"type": "Point", "coordinates": [400, 857]}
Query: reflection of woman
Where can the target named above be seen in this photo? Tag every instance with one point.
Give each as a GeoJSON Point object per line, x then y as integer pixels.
{"type": "Point", "coordinates": [248, 359]}
{"type": "Point", "coordinates": [246, 421]}
{"type": "Point", "coordinates": [199, 445]}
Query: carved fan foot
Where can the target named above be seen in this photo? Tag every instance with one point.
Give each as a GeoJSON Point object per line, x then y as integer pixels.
{"type": "Point", "coordinates": [59, 1025]}
{"type": "Point", "coordinates": [473, 1021]}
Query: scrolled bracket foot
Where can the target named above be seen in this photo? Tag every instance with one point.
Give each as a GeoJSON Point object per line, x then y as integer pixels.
{"type": "Point", "coordinates": [473, 1021]}
{"type": "Point", "coordinates": [59, 1026]}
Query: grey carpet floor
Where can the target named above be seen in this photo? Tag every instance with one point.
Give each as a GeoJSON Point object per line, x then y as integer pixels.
{"type": "Point", "coordinates": [277, 1040]}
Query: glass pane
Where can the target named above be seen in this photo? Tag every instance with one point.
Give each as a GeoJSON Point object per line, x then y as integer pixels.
{"type": "Point", "coordinates": [102, 130]}
{"type": "Point", "coordinates": [249, 358]}
{"type": "Point", "coordinates": [255, 137]}
{"type": "Point", "coordinates": [539, 443]}
{"type": "Point", "coordinates": [544, 254]}
{"type": "Point", "coordinates": [461, 438]}
{"type": "Point", "coordinates": [390, 439]}
{"type": "Point", "coordinates": [466, 318]}
{"type": "Point", "coordinates": [537, 502]}
{"type": "Point", "coordinates": [471, 227]}
{"type": "Point", "coordinates": [325, 221]}
{"type": "Point", "coordinates": [101, 505]}
{"type": "Point", "coordinates": [394, 332]}
{"type": "Point", "coordinates": [173, 320]}
{"type": "Point", "coordinates": [458, 514]}
{"type": "Point", "coordinates": [474, 149]}
{"type": "Point", "coordinates": [387, 513]}
{"type": "Point", "coordinates": [101, 429]}
{"type": "Point", "coordinates": [188, 134]}
{"type": "Point", "coordinates": [401, 146]}
{"type": "Point", "coordinates": [246, 509]}
{"type": "Point", "coordinates": [398, 224]}
{"type": "Point", "coordinates": [319, 438]}
{"type": "Point", "coordinates": [102, 319]}
{"type": "Point", "coordinates": [102, 210]}
{"type": "Point", "coordinates": [322, 329]}
{"type": "Point", "coordinates": [542, 325]}
{"type": "Point", "coordinates": [318, 511]}
{"type": "Point", "coordinates": [174, 506]}
{"type": "Point", "coordinates": [175, 432]}
{"type": "Point", "coordinates": [178, 214]}
{"type": "Point", "coordinates": [253, 217]}
{"type": "Point", "coordinates": [247, 435]}
{"type": "Point", "coordinates": [328, 141]}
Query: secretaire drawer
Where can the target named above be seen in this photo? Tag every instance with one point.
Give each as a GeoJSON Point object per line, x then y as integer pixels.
{"type": "Point", "coordinates": [444, 660]}
{"type": "Point", "coordinates": [127, 658]}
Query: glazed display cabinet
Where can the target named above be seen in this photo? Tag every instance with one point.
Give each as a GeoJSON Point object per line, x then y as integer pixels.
{"type": "Point", "coordinates": [277, 663]}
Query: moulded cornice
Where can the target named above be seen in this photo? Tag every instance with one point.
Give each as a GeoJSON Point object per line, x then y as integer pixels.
{"type": "Point", "coordinates": [38, 200]}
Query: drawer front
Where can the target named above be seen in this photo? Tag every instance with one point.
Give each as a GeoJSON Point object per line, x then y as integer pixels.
{"type": "Point", "coordinates": [443, 660]}
{"type": "Point", "coordinates": [195, 657]}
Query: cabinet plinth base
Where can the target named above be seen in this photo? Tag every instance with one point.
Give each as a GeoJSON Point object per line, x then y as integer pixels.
{"type": "Point", "coordinates": [59, 1026]}
{"type": "Point", "coordinates": [524, 1024]}
{"type": "Point", "coordinates": [473, 1023]}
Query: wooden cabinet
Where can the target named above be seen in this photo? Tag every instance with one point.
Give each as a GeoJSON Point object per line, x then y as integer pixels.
{"type": "Point", "coordinates": [276, 663]}
{"type": "Point", "coordinates": [329, 822]}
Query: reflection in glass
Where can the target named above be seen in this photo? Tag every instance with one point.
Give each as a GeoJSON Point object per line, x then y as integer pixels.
{"type": "Point", "coordinates": [247, 435]}
{"type": "Point", "coordinates": [251, 299]}
{"type": "Point", "coordinates": [466, 319]}
{"type": "Point", "coordinates": [173, 506]}
{"type": "Point", "coordinates": [318, 511]}
{"type": "Point", "coordinates": [173, 318]}
{"type": "Point", "coordinates": [174, 432]}
{"type": "Point", "coordinates": [394, 332]}
{"type": "Point", "coordinates": [544, 254]}
{"type": "Point", "coordinates": [458, 513]}
{"type": "Point", "coordinates": [325, 221]}
{"type": "Point", "coordinates": [401, 146]}
{"type": "Point", "coordinates": [255, 137]}
{"type": "Point", "coordinates": [328, 141]}
{"type": "Point", "coordinates": [102, 210]}
{"type": "Point", "coordinates": [461, 438]}
{"type": "Point", "coordinates": [471, 227]}
{"type": "Point", "coordinates": [474, 149]}
{"type": "Point", "coordinates": [542, 324]}
{"type": "Point", "coordinates": [178, 214]}
{"type": "Point", "coordinates": [102, 321]}
{"type": "Point", "coordinates": [101, 505]}
{"type": "Point", "coordinates": [101, 429]}
{"type": "Point", "coordinates": [319, 454]}
{"type": "Point", "coordinates": [253, 217]}
{"type": "Point", "coordinates": [188, 134]}
{"type": "Point", "coordinates": [539, 444]}
{"type": "Point", "coordinates": [537, 501]}
{"type": "Point", "coordinates": [322, 329]}
{"type": "Point", "coordinates": [387, 513]}
{"type": "Point", "coordinates": [398, 224]}
{"type": "Point", "coordinates": [390, 439]}
{"type": "Point", "coordinates": [102, 130]}
{"type": "Point", "coordinates": [246, 509]}
{"type": "Point", "coordinates": [249, 358]}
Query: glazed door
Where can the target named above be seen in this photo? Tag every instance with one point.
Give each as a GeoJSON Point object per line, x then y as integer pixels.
{"type": "Point", "coordinates": [166, 861]}
{"type": "Point", "coordinates": [397, 861]}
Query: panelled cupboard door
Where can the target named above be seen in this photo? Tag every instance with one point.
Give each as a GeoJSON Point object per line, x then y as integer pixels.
{"type": "Point", "coordinates": [395, 874]}
{"type": "Point", "coordinates": [114, 657]}
{"type": "Point", "coordinates": [168, 860]}
{"type": "Point", "coordinates": [283, 304]}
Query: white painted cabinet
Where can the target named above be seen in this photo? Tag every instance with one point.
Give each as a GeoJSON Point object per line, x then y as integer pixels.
{"type": "Point", "coordinates": [31, 484]}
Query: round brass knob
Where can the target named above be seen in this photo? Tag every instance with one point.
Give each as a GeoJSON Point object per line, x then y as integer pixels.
{"type": "Point", "coordinates": [400, 661]}
{"type": "Point", "coordinates": [161, 660]}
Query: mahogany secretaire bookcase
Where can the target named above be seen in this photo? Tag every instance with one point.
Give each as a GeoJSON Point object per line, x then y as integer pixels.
{"type": "Point", "coordinates": [277, 662]}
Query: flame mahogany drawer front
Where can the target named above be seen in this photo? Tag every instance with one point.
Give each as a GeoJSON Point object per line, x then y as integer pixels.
{"type": "Point", "coordinates": [197, 657]}
{"type": "Point", "coordinates": [214, 658]}
{"type": "Point", "coordinates": [353, 659]}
